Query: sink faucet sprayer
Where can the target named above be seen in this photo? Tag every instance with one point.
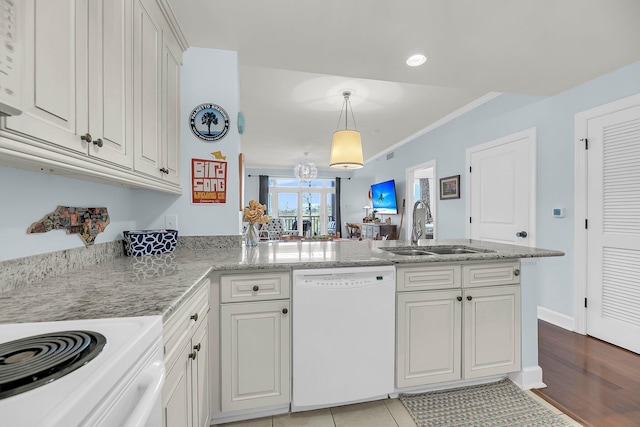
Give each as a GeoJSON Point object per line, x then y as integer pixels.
{"type": "Point", "coordinates": [416, 229]}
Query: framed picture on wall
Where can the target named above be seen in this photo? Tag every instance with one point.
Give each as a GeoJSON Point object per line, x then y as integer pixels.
{"type": "Point", "coordinates": [450, 187]}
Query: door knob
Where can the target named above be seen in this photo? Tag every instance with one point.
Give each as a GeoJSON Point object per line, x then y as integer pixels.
{"type": "Point", "coordinates": [98, 142]}
{"type": "Point", "coordinates": [86, 137]}
{"type": "Point", "coordinates": [522, 234]}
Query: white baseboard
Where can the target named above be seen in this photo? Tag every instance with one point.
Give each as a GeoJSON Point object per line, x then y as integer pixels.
{"type": "Point", "coordinates": [530, 377]}
{"type": "Point", "coordinates": [558, 319]}
{"type": "Point", "coordinates": [247, 414]}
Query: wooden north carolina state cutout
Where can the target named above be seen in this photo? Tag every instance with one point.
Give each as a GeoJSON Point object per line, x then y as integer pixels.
{"type": "Point", "coordinates": [87, 222]}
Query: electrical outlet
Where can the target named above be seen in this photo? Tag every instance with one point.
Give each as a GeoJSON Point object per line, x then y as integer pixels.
{"type": "Point", "coordinates": [171, 222]}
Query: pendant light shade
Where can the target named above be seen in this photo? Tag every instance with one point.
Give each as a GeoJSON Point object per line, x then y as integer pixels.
{"type": "Point", "coordinates": [346, 150]}
{"type": "Point", "coordinates": [346, 147]}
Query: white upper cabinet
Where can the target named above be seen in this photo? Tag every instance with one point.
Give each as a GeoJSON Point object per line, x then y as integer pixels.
{"type": "Point", "coordinates": [55, 76]}
{"type": "Point", "coordinates": [157, 62]}
{"type": "Point", "coordinates": [170, 145]}
{"type": "Point", "coordinates": [110, 92]}
{"type": "Point", "coordinates": [78, 84]}
{"type": "Point", "coordinates": [101, 93]}
{"type": "Point", "coordinates": [147, 52]}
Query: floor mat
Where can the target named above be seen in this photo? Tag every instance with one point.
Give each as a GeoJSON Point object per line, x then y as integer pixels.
{"type": "Point", "coordinates": [499, 404]}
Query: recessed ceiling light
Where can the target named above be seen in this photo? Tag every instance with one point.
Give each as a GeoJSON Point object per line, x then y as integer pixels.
{"type": "Point", "coordinates": [416, 60]}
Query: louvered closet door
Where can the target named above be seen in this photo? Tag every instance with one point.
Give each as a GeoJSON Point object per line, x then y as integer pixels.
{"type": "Point", "coordinates": [613, 281]}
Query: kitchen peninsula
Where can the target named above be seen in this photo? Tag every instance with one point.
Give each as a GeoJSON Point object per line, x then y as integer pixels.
{"type": "Point", "coordinates": [239, 279]}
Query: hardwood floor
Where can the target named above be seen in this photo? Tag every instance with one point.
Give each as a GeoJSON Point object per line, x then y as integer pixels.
{"type": "Point", "coordinates": [594, 382]}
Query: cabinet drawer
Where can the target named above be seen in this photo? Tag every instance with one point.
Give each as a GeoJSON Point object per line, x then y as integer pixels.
{"type": "Point", "coordinates": [488, 274]}
{"type": "Point", "coordinates": [425, 278]}
{"type": "Point", "coordinates": [189, 315]}
{"type": "Point", "coordinates": [254, 287]}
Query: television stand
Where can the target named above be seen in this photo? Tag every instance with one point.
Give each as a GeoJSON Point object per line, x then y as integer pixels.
{"type": "Point", "coordinates": [372, 230]}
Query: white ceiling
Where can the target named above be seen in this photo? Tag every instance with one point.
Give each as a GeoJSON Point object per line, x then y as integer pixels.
{"type": "Point", "coordinates": [296, 57]}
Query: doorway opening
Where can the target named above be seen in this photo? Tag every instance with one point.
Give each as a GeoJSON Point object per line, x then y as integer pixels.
{"type": "Point", "coordinates": [421, 186]}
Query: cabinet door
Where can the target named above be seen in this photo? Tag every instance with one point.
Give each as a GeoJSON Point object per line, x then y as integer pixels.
{"type": "Point", "coordinates": [491, 330]}
{"type": "Point", "coordinates": [200, 375]}
{"type": "Point", "coordinates": [55, 79]}
{"type": "Point", "coordinates": [255, 354]}
{"type": "Point", "coordinates": [147, 76]}
{"type": "Point", "coordinates": [428, 337]}
{"type": "Point", "coordinates": [171, 57]}
{"type": "Point", "coordinates": [110, 80]}
{"type": "Point", "coordinates": [177, 391]}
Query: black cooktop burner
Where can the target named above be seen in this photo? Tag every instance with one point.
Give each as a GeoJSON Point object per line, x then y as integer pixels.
{"type": "Point", "coordinates": [33, 361]}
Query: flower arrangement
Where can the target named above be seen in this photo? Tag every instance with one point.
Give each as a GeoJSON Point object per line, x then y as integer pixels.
{"type": "Point", "coordinates": [254, 213]}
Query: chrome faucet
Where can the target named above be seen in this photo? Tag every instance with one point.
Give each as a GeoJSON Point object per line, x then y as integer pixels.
{"type": "Point", "coordinates": [416, 229]}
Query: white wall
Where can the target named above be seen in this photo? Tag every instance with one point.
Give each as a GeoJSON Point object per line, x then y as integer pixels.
{"type": "Point", "coordinates": [553, 118]}
{"type": "Point", "coordinates": [28, 196]}
{"type": "Point", "coordinates": [208, 76]}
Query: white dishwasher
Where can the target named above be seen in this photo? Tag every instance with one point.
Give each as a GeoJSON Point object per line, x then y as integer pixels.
{"type": "Point", "coordinates": [343, 335]}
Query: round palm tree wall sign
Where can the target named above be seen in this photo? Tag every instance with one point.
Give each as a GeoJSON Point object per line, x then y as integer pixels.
{"type": "Point", "coordinates": [209, 122]}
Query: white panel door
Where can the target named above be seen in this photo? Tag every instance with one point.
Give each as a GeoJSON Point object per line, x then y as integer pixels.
{"type": "Point", "coordinates": [501, 184]}
{"type": "Point", "coordinates": [255, 354]}
{"type": "Point", "coordinates": [428, 334]}
{"type": "Point", "coordinates": [55, 80]}
{"type": "Point", "coordinates": [147, 75]}
{"type": "Point", "coordinates": [491, 330]}
{"type": "Point", "coordinates": [110, 79]}
{"type": "Point", "coordinates": [200, 375]}
{"type": "Point", "coordinates": [176, 391]}
{"type": "Point", "coordinates": [613, 256]}
{"type": "Point", "coordinates": [171, 57]}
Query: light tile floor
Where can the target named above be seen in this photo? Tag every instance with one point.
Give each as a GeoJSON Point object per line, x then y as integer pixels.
{"type": "Point", "coordinates": [380, 413]}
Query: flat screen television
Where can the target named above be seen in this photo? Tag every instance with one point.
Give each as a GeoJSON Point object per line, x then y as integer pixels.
{"type": "Point", "coordinates": [383, 198]}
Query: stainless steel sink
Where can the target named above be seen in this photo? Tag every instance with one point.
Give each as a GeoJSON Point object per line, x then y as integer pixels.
{"type": "Point", "coordinates": [433, 250]}
{"type": "Point", "coordinates": [452, 250]}
{"type": "Point", "coordinates": [408, 251]}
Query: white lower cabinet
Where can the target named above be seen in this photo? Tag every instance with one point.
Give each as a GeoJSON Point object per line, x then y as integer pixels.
{"type": "Point", "coordinates": [255, 354]}
{"type": "Point", "coordinates": [185, 394]}
{"type": "Point", "coordinates": [461, 332]}
{"type": "Point", "coordinates": [428, 335]}
{"type": "Point", "coordinates": [255, 342]}
{"type": "Point", "coordinates": [491, 330]}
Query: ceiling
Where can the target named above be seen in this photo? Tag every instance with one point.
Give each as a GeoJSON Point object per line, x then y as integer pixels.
{"type": "Point", "coordinates": [296, 58]}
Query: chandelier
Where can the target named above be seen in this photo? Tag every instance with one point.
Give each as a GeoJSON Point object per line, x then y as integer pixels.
{"type": "Point", "coordinates": [346, 147]}
{"type": "Point", "coordinates": [305, 171]}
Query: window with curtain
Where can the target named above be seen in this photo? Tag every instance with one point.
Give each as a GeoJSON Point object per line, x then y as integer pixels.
{"type": "Point", "coordinates": [306, 207]}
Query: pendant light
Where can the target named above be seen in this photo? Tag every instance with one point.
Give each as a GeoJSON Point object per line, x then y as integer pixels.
{"type": "Point", "coordinates": [306, 171]}
{"type": "Point", "coordinates": [346, 147]}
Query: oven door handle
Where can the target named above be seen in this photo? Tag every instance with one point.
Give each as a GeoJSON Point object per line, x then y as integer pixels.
{"type": "Point", "coordinates": [154, 378]}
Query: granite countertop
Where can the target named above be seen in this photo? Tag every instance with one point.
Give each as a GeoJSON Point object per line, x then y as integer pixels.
{"type": "Point", "coordinates": [156, 285]}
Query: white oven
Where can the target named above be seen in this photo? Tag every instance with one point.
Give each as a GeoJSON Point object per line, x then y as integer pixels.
{"type": "Point", "coordinates": [119, 386]}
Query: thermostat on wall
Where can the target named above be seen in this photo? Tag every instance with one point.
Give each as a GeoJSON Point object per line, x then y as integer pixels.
{"type": "Point", "coordinates": [558, 212]}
